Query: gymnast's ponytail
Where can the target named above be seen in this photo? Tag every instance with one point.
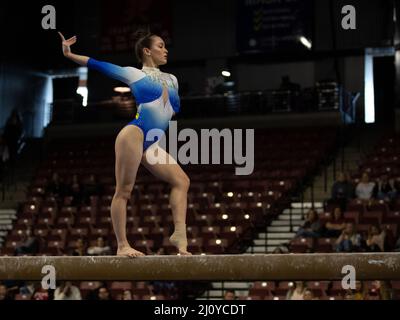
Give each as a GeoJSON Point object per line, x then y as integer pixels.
{"type": "Point", "coordinates": [142, 40]}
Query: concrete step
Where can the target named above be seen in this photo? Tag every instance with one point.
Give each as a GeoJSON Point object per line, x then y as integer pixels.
{"type": "Point", "coordinates": [270, 242]}
{"type": "Point", "coordinates": [274, 242]}
{"type": "Point", "coordinates": [287, 222]}
{"type": "Point", "coordinates": [274, 229]}
{"type": "Point", "coordinates": [231, 285]}
{"type": "Point", "coordinates": [220, 293]}
{"type": "Point", "coordinates": [276, 235]}
{"type": "Point", "coordinates": [290, 217]}
{"type": "Point", "coordinates": [307, 205]}
{"type": "Point", "coordinates": [5, 221]}
{"type": "Point", "coordinates": [294, 211]}
{"type": "Point", "coordinates": [261, 249]}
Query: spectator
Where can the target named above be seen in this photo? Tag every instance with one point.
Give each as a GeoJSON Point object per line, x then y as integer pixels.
{"type": "Point", "coordinates": [229, 295]}
{"type": "Point", "coordinates": [384, 189]}
{"type": "Point", "coordinates": [13, 132]}
{"type": "Point", "coordinates": [30, 244]}
{"type": "Point", "coordinates": [359, 293]}
{"type": "Point", "coordinates": [342, 191]}
{"type": "Point", "coordinates": [41, 294]}
{"type": "Point", "coordinates": [79, 248]}
{"type": "Point", "coordinates": [4, 152]}
{"type": "Point", "coordinates": [127, 295]}
{"type": "Point", "coordinates": [28, 289]}
{"type": "Point", "coordinates": [103, 294]}
{"type": "Point", "coordinates": [67, 291]}
{"type": "Point", "coordinates": [311, 227]}
{"type": "Point", "coordinates": [365, 188]}
{"type": "Point", "coordinates": [376, 239]}
{"type": "Point", "coordinates": [349, 240]}
{"type": "Point", "coordinates": [3, 293]}
{"type": "Point", "coordinates": [308, 295]}
{"type": "Point", "coordinates": [335, 225]}
{"type": "Point", "coordinates": [297, 291]}
{"type": "Point", "coordinates": [100, 249]}
{"type": "Point", "coordinates": [349, 295]}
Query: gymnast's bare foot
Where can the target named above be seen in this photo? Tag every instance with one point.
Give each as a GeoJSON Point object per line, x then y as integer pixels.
{"type": "Point", "coordinates": [184, 253]}
{"type": "Point", "coordinates": [128, 251]}
{"type": "Point", "coordinates": [180, 242]}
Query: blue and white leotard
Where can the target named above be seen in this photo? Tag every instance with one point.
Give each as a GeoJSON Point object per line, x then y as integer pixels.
{"type": "Point", "coordinates": [147, 87]}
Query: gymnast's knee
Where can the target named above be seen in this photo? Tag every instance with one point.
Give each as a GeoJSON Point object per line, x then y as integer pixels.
{"type": "Point", "coordinates": [123, 192]}
{"type": "Point", "coordinates": [183, 182]}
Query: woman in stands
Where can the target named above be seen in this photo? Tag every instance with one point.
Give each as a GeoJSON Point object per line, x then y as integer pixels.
{"type": "Point", "coordinates": [156, 94]}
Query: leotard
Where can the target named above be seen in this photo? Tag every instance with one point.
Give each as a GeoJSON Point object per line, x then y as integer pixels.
{"type": "Point", "coordinates": [147, 87]}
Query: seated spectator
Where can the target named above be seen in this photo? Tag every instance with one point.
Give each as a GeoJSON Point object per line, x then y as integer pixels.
{"type": "Point", "coordinates": [127, 295]}
{"type": "Point", "coordinates": [376, 239]}
{"type": "Point", "coordinates": [79, 248]}
{"type": "Point", "coordinates": [335, 225]}
{"type": "Point", "coordinates": [384, 289]}
{"type": "Point", "coordinates": [311, 227]}
{"type": "Point", "coordinates": [297, 291]}
{"type": "Point", "coordinates": [4, 293]}
{"type": "Point", "coordinates": [348, 295]}
{"type": "Point", "coordinates": [342, 191]}
{"type": "Point", "coordinates": [67, 291]}
{"type": "Point", "coordinates": [308, 295]}
{"type": "Point", "coordinates": [41, 294]}
{"type": "Point", "coordinates": [102, 293]}
{"type": "Point", "coordinates": [384, 189]}
{"type": "Point", "coordinates": [349, 240]}
{"type": "Point", "coordinates": [100, 249]}
{"type": "Point", "coordinates": [229, 295]}
{"type": "Point", "coordinates": [30, 244]}
{"type": "Point", "coordinates": [28, 289]}
{"type": "Point", "coordinates": [365, 188]}
{"type": "Point", "coordinates": [359, 292]}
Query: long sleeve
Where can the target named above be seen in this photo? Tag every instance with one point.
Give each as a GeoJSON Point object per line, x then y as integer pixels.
{"type": "Point", "coordinates": [127, 75]}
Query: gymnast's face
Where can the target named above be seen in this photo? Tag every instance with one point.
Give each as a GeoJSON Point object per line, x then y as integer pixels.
{"type": "Point", "coordinates": [157, 52]}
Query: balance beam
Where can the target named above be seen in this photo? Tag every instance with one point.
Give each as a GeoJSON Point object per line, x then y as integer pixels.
{"type": "Point", "coordinates": [316, 266]}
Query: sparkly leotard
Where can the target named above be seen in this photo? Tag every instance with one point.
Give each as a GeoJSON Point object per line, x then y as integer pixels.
{"type": "Point", "coordinates": [147, 87]}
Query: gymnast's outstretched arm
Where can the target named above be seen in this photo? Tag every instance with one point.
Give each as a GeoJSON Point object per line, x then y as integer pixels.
{"type": "Point", "coordinates": [124, 74]}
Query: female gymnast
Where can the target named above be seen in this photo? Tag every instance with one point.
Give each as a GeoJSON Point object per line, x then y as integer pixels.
{"type": "Point", "coordinates": [156, 94]}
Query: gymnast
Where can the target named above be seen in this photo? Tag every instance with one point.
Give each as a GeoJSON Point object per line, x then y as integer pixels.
{"type": "Point", "coordinates": [156, 94]}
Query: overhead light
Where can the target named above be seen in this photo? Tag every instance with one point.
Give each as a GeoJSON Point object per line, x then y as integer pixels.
{"type": "Point", "coordinates": [122, 89]}
{"type": "Point", "coordinates": [305, 42]}
{"type": "Point", "coordinates": [226, 73]}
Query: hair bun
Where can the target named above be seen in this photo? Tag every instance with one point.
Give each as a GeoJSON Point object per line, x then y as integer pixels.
{"type": "Point", "coordinates": [142, 33]}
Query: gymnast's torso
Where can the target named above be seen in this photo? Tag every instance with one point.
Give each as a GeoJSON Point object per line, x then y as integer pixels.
{"type": "Point", "coordinates": [154, 110]}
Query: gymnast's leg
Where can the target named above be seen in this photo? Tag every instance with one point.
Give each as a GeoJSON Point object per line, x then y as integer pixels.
{"type": "Point", "coordinates": [172, 173]}
{"type": "Point", "coordinates": [128, 154]}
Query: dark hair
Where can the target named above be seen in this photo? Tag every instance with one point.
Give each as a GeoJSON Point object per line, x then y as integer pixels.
{"type": "Point", "coordinates": [143, 40]}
